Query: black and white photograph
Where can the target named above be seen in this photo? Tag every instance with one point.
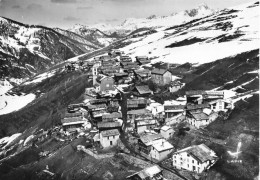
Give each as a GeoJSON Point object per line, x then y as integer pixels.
{"type": "Point", "coordinates": [129, 89]}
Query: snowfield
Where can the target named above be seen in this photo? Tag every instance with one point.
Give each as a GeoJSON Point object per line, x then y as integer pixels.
{"type": "Point", "coordinates": [13, 103]}
{"type": "Point", "coordinates": [212, 39]}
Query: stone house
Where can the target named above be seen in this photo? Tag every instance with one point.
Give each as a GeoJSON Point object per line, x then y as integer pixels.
{"type": "Point", "coordinates": [109, 138]}
{"type": "Point", "coordinates": [161, 76]}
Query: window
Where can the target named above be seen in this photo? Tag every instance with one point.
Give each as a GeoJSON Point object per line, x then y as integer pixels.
{"type": "Point", "coordinates": [111, 143]}
{"type": "Point", "coordinates": [107, 85]}
{"type": "Point", "coordinates": [107, 138]}
{"type": "Point", "coordinates": [198, 163]}
{"type": "Point", "coordinates": [113, 137]}
{"type": "Point", "coordinates": [188, 165]}
{"type": "Point", "coordinates": [188, 155]}
{"type": "Point", "coordinates": [192, 161]}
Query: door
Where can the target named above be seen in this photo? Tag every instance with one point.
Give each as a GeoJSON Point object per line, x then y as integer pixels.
{"type": "Point", "coordinates": [193, 168]}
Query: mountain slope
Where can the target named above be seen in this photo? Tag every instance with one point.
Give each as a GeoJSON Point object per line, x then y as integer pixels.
{"type": "Point", "coordinates": [26, 50]}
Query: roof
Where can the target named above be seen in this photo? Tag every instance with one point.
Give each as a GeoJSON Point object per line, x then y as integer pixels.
{"type": "Point", "coordinates": [143, 89]}
{"type": "Point", "coordinates": [97, 101]}
{"type": "Point", "coordinates": [147, 172]}
{"type": "Point", "coordinates": [112, 115]}
{"type": "Point", "coordinates": [139, 111]}
{"type": "Point", "coordinates": [148, 139]}
{"type": "Point", "coordinates": [159, 71]}
{"type": "Point", "coordinates": [195, 92]}
{"type": "Point", "coordinates": [72, 120]}
{"type": "Point", "coordinates": [197, 106]}
{"type": "Point", "coordinates": [144, 116]}
{"type": "Point", "coordinates": [200, 152]}
{"type": "Point", "coordinates": [174, 107]}
{"type": "Point", "coordinates": [112, 132]}
{"type": "Point", "coordinates": [108, 124]}
{"type": "Point", "coordinates": [200, 116]}
{"type": "Point", "coordinates": [166, 128]}
{"type": "Point", "coordinates": [99, 113]}
{"type": "Point", "coordinates": [137, 101]}
{"type": "Point", "coordinates": [120, 74]}
{"type": "Point", "coordinates": [97, 106]}
{"type": "Point", "coordinates": [162, 145]}
{"type": "Point", "coordinates": [146, 122]}
{"type": "Point", "coordinates": [141, 57]}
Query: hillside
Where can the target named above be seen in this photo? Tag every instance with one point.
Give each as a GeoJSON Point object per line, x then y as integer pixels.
{"type": "Point", "coordinates": [26, 49]}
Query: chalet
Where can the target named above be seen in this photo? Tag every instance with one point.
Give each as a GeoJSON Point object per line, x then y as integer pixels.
{"type": "Point", "coordinates": [212, 95]}
{"type": "Point", "coordinates": [139, 103]}
{"type": "Point", "coordinates": [142, 91]}
{"type": "Point", "coordinates": [105, 83]}
{"type": "Point", "coordinates": [161, 76]}
{"type": "Point", "coordinates": [98, 101]}
{"type": "Point", "coordinates": [221, 105]}
{"type": "Point", "coordinates": [150, 173]}
{"type": "Point", "coordinates": [142, 60]}
{"type": "Point", "coordinates": [120, 77]}
{"type": "Point", "coordinates": [145, 142]}
{"type": "Point", "coordinates": [74, 107]}
{"type": "Point", "coordinates": [109, 138]}
{"type": "Point", "coordinates": [144, 122]}
{"type": "Point", "coordinates": [125, 59]}
{"type": "Point", "coordinates": [97, 115]}
{"type": "Point", "coordinates": [166, 131]}
{"type": "Point", "coordinates": [131, 115]}
{"type": "Point", "coordinates": [176, 86]}
{"type": "Point", "coordinates": [172, 112]}
{"type": "Point", "coordinates": [109, 125]}
{"type": "Point", "coordinates": [111, 117]}
{"type": "Point", "coordinates": [200, 119]}
{"type": "Point", "coordinates": [96, 107]}
{"type": "Point", "coordinates": [129, 65]}
{"type": "Point", "coordinates": [197, 158]}
{"type": "Point", "coordinates": [142, 74]}
{"type": "Point", "coordinates": [161, 149]}
{"type": "Point", "coordinates": [72, 123]}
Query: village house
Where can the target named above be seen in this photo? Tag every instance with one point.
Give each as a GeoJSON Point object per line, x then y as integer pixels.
{"type": "Point", "coordinates": [121, 78]}
{"type": "Point", "coordinates": [141, 91]}
{"type": "Point", "coordinates": [111, 117]}
{"type": "Point", "coordinates": [72, 123]}
{"type": "Point", "coordinates": [195, 96]}
{"type": "Point", "coordinates": [200, 119]}
{"type": "Point", "coordinates": [173, 112]}
{"type": "Point", "coordinates": [98, 101]}
{"type": "Point", "coordinates": [157, 109]}
{"type": "Point", "coordinates": [142, 74]}
{"type": "Point", "coordinates": [144, 122]}
{"type": "Point", "coordinates": [109, 138]}
{"type": "Point", "coordinates": [151, 173]}
{"type": "Point", "coordinates": [125, 59]}
{"type": "Point", "coordinates": [105, 83]}
{"type": "Point", "coordinates": [176, 86]}
{"type": "Point", "coordinates": [197, 158]}
{"type": "Point", "coordinates": [161, 149]}
{"type": "Point", "coordinates": [166, 131]}
{"type": "Point", "coordinates": [221, 105]}
{"type": "Point", "coordinates": [109, 125]}
{"type": "Point", "coordinates": [212, 96]}
{"type": "Point", "coordinates": [161, 76]}
{"type": "Point", "coordinates": [74, 107]}
{"type": "Point", "coordinates": [131, 115]}
{"type": "Point", "coordinates": [145, 142]}
{"type": "Point", "coordinates": [142, 60]}
{"type": "Point", "coordinates": [139, 103]}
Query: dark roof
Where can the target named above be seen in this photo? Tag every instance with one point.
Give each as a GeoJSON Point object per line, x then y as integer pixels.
{"type": "Point", "coordinates": [98, 101]}
{"type": "Point", "coordinates": [142, 72]}
{"type": "Point", "coordinates": [200, 116]}
{"type": "Point", "coordinates": [97, 106]}
{"type": "Point", "coordinates": [159, 71]}
{"type": "Point", "coordinates": [143, 89]}
{"type": "Point", "coordinates": [197, 106]}
{"type": "Point", "coordinates": [72, 120]}
{"type": "Point", "coordinates": [174, 107]}
{"type": "Point", "coordinates": [112, 115]}
{"type": "Point", "coordinates": [108, 125]}
{"type": "Point", "coordinates": [195, 92]}
{"type": "Point", "coordinates": [120, 74]}
{"type": "Point", "coordinates": [141, 57]}
{"type": "Point", "coordinates": [112, 132]}
{"type": "Point", "coordinates": [200, 152]}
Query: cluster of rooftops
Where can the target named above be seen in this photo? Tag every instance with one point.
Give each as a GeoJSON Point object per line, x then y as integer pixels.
{"type": "Point", "coordinates": [115, 104]}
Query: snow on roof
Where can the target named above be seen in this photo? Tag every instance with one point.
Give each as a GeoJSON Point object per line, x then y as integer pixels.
{"type": "Point", "coordinates": [207, 111]}
{"type": "Point", "coordinates": [162, 145]}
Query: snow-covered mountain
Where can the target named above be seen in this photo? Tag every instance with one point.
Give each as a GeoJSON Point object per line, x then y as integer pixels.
{"type": "Point", "coordinates": [28, 49]}
{"type": "Point", "coordinates": [153, 21]}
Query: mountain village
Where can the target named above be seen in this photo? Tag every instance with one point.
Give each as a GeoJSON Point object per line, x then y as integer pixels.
{"type": "Point", "coordinates": [118, 113]}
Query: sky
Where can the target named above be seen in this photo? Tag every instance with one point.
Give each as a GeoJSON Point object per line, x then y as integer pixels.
{"type": "Point", "coordinates": [66, 13]}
